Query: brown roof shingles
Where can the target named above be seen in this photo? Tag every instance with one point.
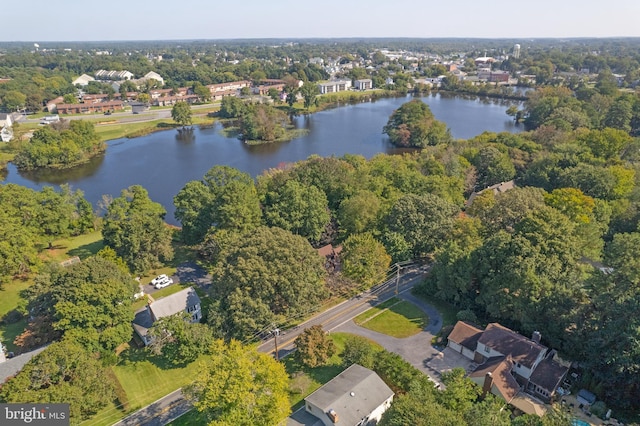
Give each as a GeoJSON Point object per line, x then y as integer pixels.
{"type": "Point", "coordinates": [548, 374]}
{"type": "Point", "coordinates": [508, 342]}
{"type": "Point", "coordinates": [466, 335]}
{"type": "Point", "coordinates": [500, 369]}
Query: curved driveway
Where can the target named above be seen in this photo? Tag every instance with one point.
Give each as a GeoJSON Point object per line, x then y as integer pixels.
{"type": "Point", "coordinates": [416, 349]}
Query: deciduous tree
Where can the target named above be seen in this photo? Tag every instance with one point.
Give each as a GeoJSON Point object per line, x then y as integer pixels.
{"type": "Point", "coordinates": [414, 125]}
{"type": "Point", "coordinates": [239, 385]}
{"type": "Point", "coordinates": [67, 372]}
{"type": "Point", "coordinates": [179, 340]}
{"type": "Point", "coordinates": [224, 199]}
{"type": "Point", "coordinates": [365, 260]}
{"type": "Point", "coordinates": [301, 209]}
{"type": "Point", "coordinates": [314, 347]}
{"type": "Point", "coordinates": [134, 227]}
{"type": "Point", "coordinates": [267, 267]}
{"type": "Point", "coordinates": [181, 113]}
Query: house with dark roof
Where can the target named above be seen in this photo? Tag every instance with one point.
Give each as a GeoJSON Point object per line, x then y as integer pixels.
{"type": "Point", "coordinates": [355, 397]}
{"type": "Point", "coordinates": [183, 301]}
{"type": "Point", "coordinates": [509, 365]}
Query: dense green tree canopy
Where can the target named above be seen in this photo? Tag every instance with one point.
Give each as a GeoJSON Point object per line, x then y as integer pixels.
{"type": "Point", "coordinates": [266, 270]}
{"type": "Point", "coordinates": [134, 227]}
{"type": "Point", "coordinates": [89, 302]}
{"type": "Point", "coordinates": [179, 340]}
{"type": "Point", "coordinates": [65, 371]}
{"type": "Point", "coordinates": [424, 221]}
{"type": "Point", "coordinates": [224, 199]}
{"type": "Point", "coordinates": [413, 124]}
{"type": "Point", "coordinates": [298, 208]}
{"type": "Point", "coordinates": [365, 260]}
{"type": "Point", "coordinates": [181, 113]}
{"type": "Point", "coordinates": [74, 144]}
{"type": "Point", "coordinates": [240, 386]}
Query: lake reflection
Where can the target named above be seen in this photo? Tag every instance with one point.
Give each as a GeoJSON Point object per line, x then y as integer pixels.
{"type": "Point", "coordinates": [164, 161]}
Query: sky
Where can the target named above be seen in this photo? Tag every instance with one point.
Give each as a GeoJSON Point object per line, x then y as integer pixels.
{"type": "Point", "coordinates": [82, 20]}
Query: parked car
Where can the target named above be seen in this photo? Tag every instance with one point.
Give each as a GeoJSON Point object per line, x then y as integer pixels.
{"type": "Point", "coordinates": [161, 281]}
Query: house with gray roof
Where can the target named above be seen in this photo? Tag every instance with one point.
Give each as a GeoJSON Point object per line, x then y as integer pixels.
{"type": "Point", "coordinates": [183, 301]}
{"type": "Point", "coordinates": [355, 397]}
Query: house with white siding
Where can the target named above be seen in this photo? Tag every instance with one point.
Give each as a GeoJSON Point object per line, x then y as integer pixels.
{"type": "Point", "coordinates": [508, 364]}
{"type": "Point", "coordinates": [183, 301]}
{"type": "Point", "coordinates": [355, 397]}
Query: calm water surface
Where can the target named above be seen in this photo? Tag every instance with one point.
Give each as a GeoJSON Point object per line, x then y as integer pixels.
{"type": "Point", "coordinates": [163, 162]}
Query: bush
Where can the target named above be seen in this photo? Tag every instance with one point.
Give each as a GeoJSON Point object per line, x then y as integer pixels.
{"type": "Point", "coordinates": [12, 317]}
{"type": "Point", "coordinates": [467, 315]}
{"type": "Point", "coordinates": [599, 408]}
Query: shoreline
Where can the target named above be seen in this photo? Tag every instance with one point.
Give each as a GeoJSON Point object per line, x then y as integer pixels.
{"type": "Point", "coordinates": [119, 130]}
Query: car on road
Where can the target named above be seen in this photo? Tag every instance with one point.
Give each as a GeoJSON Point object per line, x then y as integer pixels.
{"type": "Point", "coordinates": [161, 281]}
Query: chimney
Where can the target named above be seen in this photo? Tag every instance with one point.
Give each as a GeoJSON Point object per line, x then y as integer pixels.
{"type": "Point", "coordinates": [536, 336]}
{"type": "Point", "coordinates": [333, 416]}
{"type": "Point", "coordinates": [488, 382]}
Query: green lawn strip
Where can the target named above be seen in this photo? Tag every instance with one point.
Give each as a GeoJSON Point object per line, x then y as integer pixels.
{"type": "Point", "coordinates": [11, 295]}
{"type": "Point", "coordinates": [400, 320]}
{"type": "Point", "coordinates": [376, 310]}
{"type": "Point", "coordinates": [145, 379]}
{"type": "Point", "coordinates": [190, 418]}
{"type": "Point", "coordinates": [109, 131]}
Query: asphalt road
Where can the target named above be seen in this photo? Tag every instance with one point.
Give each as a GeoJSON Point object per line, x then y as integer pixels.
{"type": "Point", "coordinates": [120, 117]}
{"type": "Point", "coordinates": [174, 405]}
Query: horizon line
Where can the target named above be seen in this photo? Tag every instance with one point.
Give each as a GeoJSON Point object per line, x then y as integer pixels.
{"type": "Point", "coordinates": [533, 38]}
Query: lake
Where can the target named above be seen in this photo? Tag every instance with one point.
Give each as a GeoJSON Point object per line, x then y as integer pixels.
{"type": "Point", "coordinates": [163, 162]}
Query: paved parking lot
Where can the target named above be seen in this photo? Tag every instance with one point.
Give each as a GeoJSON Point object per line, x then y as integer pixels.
{"type": "Point", "coordinates": [447, 360]}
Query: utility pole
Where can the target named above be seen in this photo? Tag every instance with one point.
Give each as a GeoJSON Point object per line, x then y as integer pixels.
{"type": "Point", "coordinates": [397, 277]}
{"type": "Point", "coordinates": [276, 332]}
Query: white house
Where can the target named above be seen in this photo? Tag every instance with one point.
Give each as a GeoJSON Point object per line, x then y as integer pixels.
{"type": "Point", "coordinates": [153, 75]}
{"type": "Point", "coordinates": [357, 396]}
{"type": "Point", "coordinates": [5, 120]}
{"type": "Point", "coordinates": [183, 301]}
{"type": "Point", "coordinates": [6, 134]}
{"type": "Point", "coordinates": [83, 80]}
{"type": "Point", "coordinates": [363, 84]}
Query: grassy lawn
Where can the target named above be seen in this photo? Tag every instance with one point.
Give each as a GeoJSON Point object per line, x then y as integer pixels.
{"type": "Point", "coordinates": [447, 310]}
{"type": "Point", "coordinates": [82, 246]}
{"type": "Point", "coordinates": [401, 319]}
{"type": "Point", "coordinates": [9, 332]}
{"type": "Point", "coordinates": [145, 379]}
{"type": "Point", "coordinates": [131, 130]}
{"type": "Point", "coordinates": [10, 295]}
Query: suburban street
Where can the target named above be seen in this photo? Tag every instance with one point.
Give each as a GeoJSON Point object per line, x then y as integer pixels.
{"type": "Point", "coordinates": [121, 117]}
{"type": "Point", "coordinates": [337, 318]}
